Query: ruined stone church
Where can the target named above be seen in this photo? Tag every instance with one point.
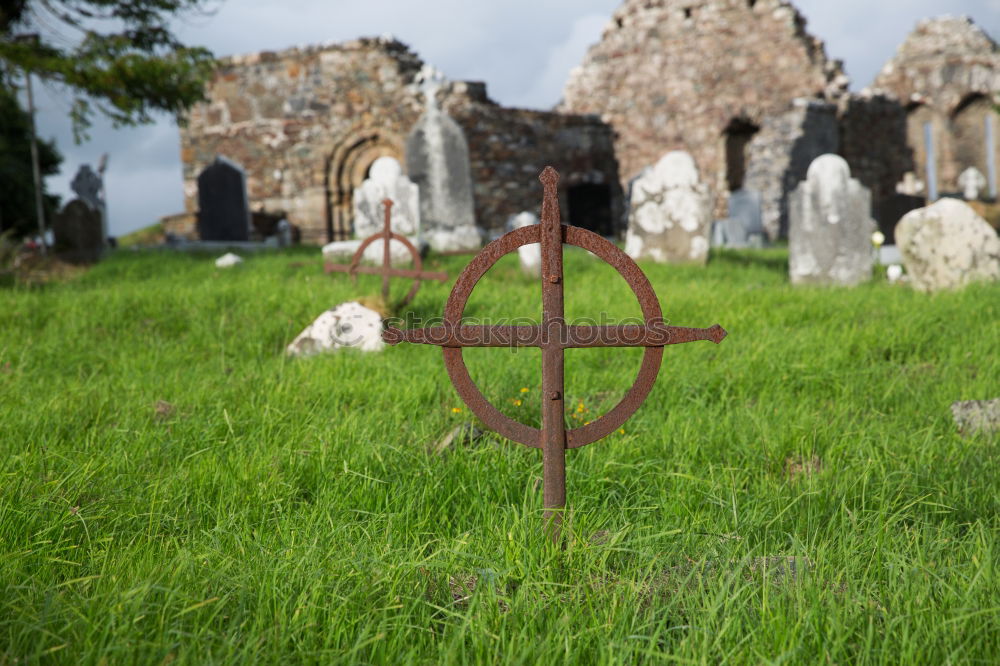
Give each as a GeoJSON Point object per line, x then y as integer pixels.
{"type": "Point", "coordinates": [739, 84]}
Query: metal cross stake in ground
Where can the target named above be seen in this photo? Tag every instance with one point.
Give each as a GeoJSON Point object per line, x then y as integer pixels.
{"type": "Point", "coordinates": [386, 270]}
{"type": "Point", "coordinates": [553, 336]}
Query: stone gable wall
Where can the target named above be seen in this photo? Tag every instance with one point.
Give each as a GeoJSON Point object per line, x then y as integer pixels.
{"type": "Point", "coordinates": [673, 74]}
{"type": "Point", "coordinates": [306, 123]}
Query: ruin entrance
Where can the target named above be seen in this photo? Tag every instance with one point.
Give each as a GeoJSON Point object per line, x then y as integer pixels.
{"type": "Point", "coordinates": [590, 207]}
{"type": "Point", "coordinates": [346, 168]}
{"type": "Point", "coordinates": [969, 138]}
{"type": "Point", "coordinates": [738, 135]}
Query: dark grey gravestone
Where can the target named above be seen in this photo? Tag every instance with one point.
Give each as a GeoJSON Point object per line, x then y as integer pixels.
{"type": "Point", "coordinates": [745, 207]}
{"type": "Point", "coordinates": [223, 210]}
{"type": "Point", "coordinates": [437, 160]}
{"type": "Point", "coordinates": [78, 233]}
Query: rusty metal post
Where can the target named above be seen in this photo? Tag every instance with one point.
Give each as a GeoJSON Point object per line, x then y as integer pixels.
{"type": "Point", "coordinates": [386, 254]}
{"type": "Point", "coordinates": [386, 270]}
{"type": "Point", "coordinates": [553, 355]}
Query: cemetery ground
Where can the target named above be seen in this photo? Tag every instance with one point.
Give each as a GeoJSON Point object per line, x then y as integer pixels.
{"type": "Point", "coordinates": [174, 489]}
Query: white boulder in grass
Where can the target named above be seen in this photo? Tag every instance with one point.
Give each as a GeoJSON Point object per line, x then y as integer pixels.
{"type": "Point", "coordinates": [228, 260]}
{"type": "Point", "coordinates": [346, 325]}
{"type": "Point", "coordinates": [947, 245]}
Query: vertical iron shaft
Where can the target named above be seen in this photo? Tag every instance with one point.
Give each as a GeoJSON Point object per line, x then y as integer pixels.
{"type": "Point", "coordinates": [553, 395]}
{"type": "Point", "coordinates": [386, 255]}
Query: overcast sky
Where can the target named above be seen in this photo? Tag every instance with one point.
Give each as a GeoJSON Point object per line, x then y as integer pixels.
{"type": "Point", "coordinates": [522, 49]}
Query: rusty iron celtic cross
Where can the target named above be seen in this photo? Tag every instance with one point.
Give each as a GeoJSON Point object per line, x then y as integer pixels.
{"type": "Point", "coordinates": [386, 270]}
{"type": "Point", "coordinates": [553, 336]}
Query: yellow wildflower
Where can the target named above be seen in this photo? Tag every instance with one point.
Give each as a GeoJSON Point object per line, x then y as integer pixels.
{"type": "Point", "coordinates": [525, 389]}
{"type": "Point", "coordinates": [456, 410]}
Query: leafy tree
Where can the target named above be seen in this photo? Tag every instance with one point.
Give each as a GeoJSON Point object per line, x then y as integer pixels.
{"type": "Point", "coordinates": [17, 187]}
{"type": "Point", "coordinates": [118, 57]}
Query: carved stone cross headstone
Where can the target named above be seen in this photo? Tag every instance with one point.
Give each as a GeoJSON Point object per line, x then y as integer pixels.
{"type": "Point", "coordinates": [553, 337]}
{"type": "Point", "coordinates": [972, 181]}
{"type": "Point", "coordinates": [437, 159]}
{"type": "Point", "coordinates": [89, 187]}
{"type": "Point", "coordinates": [78, 233]}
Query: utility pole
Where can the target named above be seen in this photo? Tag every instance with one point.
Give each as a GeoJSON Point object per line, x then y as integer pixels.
{"type": "Point", "coordinates": [35, 170]}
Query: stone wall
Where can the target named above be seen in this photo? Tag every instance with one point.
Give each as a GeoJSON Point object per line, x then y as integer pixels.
{"type": "Point", "coordinates": [947, 74]}
{"type": "Point", "coordinates": [701, 76]}
{"type": "Point", "coordinates": [307, 123]}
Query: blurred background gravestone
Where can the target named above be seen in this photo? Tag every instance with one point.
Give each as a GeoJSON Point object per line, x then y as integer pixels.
{"type": "Point", "coordinates": [830, 226]}
{"type": "Point", "coordinates": [223, 210]}
{"type": "Point", "coordinates": [972, 181]}
{"type": "Point", "coordinates": [89, 187]}
{"type": "Point", "coordinates": [78, 233]}
{"type": "Point", "coordinates": [437, 159]}
{"type": "Point", "coordinates": [670, 212]}
{"type": "Point", "coordinates": [386, 181]}
{"type": "Point", "coordinates": [530, 255]}
{"type": "Point", "coordinates": [947, 245]}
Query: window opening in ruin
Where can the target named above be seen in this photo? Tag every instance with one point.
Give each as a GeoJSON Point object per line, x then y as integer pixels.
{"type": "Point", "coordinates": [590, 207]}
{"type": "Point", "coordinates": [738, 135]}
{"type": "Point", "coordinates": [688, 11]}
{"type": "Point", "coordinates": [969, 142]}
{"type": "Point", "coordinates": [751, 3]}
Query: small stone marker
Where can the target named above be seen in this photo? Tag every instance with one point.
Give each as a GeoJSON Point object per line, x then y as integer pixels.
{"type": "Point", "coordinates": [228, 260]}
{"type": "Point", "coordinates": [386, 181]}
{"type": "Point", "coordinates": [78, 233]}
{"type": "Point", "coordinates": [745, 208]}
{"type": "Point", "coordinates": [437, 159]}
{"type": "Point", "coordinates": [385, 237]}
{"type": "Point", "coordinates": [530, 255]}
{"type": "Point", "coordinates": [971, 181]}
{"type": "Point", "coordinates": [223, 209]}
{"type": "Point", "coordinates": [670, 213]}
{"type": "Point", "coordinates": [553, 337]}
{"type": "Point", "coordinates": [977, 416]}
{"type": "Point", "coordinates": [346, 325]}
{"type": "Point", "coordinates": [947, 245]}
{"type": "Point", "coordinates": [830, 226]}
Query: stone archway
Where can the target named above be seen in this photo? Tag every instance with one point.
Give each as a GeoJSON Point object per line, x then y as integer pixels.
{"type": "Point", "coordinates": [969, 138]}
{"type": "Point", "coordinates": [347, 167]}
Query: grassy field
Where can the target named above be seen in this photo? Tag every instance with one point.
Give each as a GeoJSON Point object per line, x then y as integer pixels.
{"type": "Point", "coordinates": [174, 490]}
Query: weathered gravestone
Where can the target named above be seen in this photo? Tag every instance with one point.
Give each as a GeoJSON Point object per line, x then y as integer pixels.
{"type": "Point", "coordinates": [437, 159]}
{"type": "Point", "coordinates": [346, 325]}
{"type": "Point", "coordinates": [670, 213]}
{"type": "Point", "coordinates": [530, 255]}
{"type": "Point", "coordinates": [78, 232]}
{"type": "Point", "coordinates": [223, 209]}
{"type": "Point", "coordinates": [744, 227]}
{"type": "Point", "coordinates": [947, 245]}
{"type": "Point", "coordinates": [971, 181]}
{"type": "Point", "coordinates": [89, 186]}
{"type": "Point", "coordinates": [386, 181]}
{"type": "Point", "coordinates": [830, 226]}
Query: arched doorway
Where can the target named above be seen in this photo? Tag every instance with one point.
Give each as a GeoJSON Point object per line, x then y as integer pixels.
{"type": "Point", "coordinates": [347, 167]}
{"type": "Point", "coordinates": [738, 134]}
{"type": "Point", "coordinates": [970, 144]}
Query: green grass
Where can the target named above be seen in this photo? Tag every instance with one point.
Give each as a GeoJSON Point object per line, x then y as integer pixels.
{"type": "Point", "coordinates": [289, 511]}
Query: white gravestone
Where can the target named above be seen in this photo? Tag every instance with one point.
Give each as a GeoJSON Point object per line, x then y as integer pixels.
{"type": "Point", "coordinates": [530, 255]}
{"type": "Point", "coordinates": [386, 181]}
{"type": "Point", "coordinates": [947, 245]}
{"type": "Point", "coordinates": [971, 181]}
{"type": "Point", "coordinates": [830, 226]}
{"type": "Point", "coordinates": [346, 325]}
{"type": "Point", "coordinates": [670, 212]}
